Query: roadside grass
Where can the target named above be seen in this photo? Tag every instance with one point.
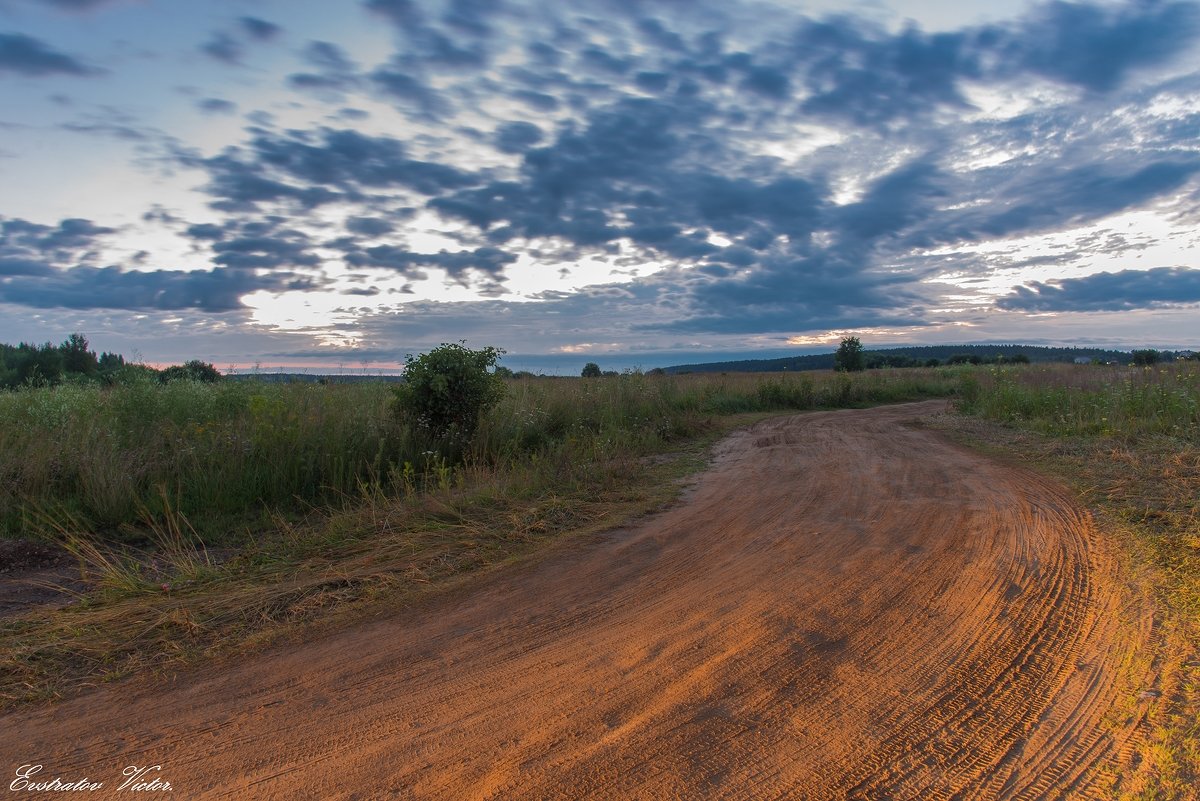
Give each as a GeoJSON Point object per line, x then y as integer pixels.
{"type": "Point", "coordinates": [1128, 440]}
{"type": "Point", "coordinates": [233, 455]}
{"type": "Point", "coordinates": [374, 519]}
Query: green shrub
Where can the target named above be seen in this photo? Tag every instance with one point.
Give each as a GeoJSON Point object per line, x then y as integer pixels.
{"type": "Point", "coordinates": [446, 390]}
{"type": "Point", "coordinates": [195, 370]}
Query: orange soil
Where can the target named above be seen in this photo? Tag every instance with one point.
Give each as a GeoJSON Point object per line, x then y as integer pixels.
{"type": "Point", "coordinates": [845, 606]}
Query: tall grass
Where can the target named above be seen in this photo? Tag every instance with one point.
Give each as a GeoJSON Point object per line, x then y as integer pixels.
{"type": "Point", "coordinates": [106, 455]}
{"type": "Point", "coordinates": [1086, 400]}
{"type": "Point", "coordinates": [226, 454]}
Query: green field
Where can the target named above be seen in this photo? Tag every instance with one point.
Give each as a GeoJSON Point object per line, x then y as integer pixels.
{"type": "Point", "coordinates": [232, 455]}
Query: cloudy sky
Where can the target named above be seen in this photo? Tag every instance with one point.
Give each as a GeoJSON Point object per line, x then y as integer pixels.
{"type": "Point", "coordinates": [634, 182]}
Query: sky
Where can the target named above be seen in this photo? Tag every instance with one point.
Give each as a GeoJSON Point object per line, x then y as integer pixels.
{"type": "Point", "coordinates": [332, 184]}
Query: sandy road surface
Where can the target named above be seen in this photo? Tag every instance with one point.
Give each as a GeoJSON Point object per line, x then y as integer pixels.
{"type": "Point", "coordinates": [844, 607]}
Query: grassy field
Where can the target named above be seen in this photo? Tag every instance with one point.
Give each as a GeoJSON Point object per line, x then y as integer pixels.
{"type": "Point", "coordinates": [1128, 440]}
{"type": "Point", "coordinates": [233, 455]}
{"type": "Point", "coordinates": [209, 518]}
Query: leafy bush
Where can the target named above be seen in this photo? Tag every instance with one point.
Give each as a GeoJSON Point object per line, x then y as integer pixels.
{"type": "Point", "coordinates": [591, 370]}
{"type": "Point", "coordinates": [195, 370]}
{"type": "Point", "coordinates": [446, 390]}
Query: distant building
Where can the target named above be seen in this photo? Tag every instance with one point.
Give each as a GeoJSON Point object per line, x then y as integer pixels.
{"type": "Point", "coordinates": [1082, 360]}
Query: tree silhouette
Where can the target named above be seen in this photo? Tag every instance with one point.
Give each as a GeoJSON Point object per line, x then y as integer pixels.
{"type": "Point", "coordinates": [849, 356]}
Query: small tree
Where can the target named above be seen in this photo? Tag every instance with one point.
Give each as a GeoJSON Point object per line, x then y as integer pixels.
{"type": "Point", "coordinates": [849, 356]}
{"type": "Point", "coordinates": [446, 390]}
{"type": "Point", "coordinates": [591, 370]}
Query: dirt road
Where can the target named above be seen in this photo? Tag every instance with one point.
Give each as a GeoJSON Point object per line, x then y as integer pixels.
{"type": "Point", "coordinates": [845, 606]}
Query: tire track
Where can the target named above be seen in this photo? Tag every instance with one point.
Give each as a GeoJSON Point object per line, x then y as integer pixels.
{"type": "Point", "coordinates": [846, 606]}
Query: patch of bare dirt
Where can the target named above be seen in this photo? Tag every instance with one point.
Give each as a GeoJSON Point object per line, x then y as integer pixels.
{"type": "Point", "coordinates": [35, 574]}
{"type": "Point", "coordinates": [845, 607]}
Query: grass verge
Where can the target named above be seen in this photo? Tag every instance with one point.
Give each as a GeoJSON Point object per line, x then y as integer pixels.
{"type": "Point", "coordinates": [373, 552]}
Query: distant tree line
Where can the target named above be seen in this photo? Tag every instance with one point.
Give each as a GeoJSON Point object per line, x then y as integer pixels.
{"type": "Point", "coordinates": [850, 356]}
{"type": "Point", "coordinates": [28, 364]}
{"type": "Point", "coordinates": [933, 356]}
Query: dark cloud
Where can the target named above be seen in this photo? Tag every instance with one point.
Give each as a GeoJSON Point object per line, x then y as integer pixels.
{"type": "Point", "coordinates": [649, 81]}
{"type": "Point", "coordinates": [472, 16]}
{"type": "Point", "coordinates": [539, 101]}
{"type": "Point", "coordinates": [399, 83]}
{"type": "Point", "coordinates": [892, 203]}
{"type": "Point", "coordinates": [404, 13]}
{"type": "Point", "coordinates": [259, 29]}
{"type": "Point", "coordinates": [602, 61]}
{"type": "Point", "coordinates": [855, 71]}
{"type": "Point", "coordinates": [11, 266]}
{"type": "Point", "coordinates": [281, 249]}
{"type": "Point", "coordinates": [308, 167]}
{"type": "Point", "coordinates": [458, 43]}
{"type": "Point", "coordinates": [41, 266]}
{"type": "Point", "coordinates": [239, 187]}
{"type": "Point", "coordinates": [206, 231]}
{"type": "Point", "coordinates": [216, 105]}
{"type": "Point", "coordinates": [224, 48]}
{"type": "Point", "coordinates": [1022, 200]}
{"type": "Point", "coordinates": [517, 137]}
{"type": "Point", "coordinates": [1119, 291]}
{"type": "Point", "coordinates": [216, 290]}
{"type": "Point", "coordinates": [328, 57]}
{"type": "Point", "coordinates": [24, 55]}
{"type": "Point", "coordinates": [798, 286]}
{"type": "Point", "coordinates": [117, 130]}
{"type": "Point", "coordinates": [870, 77]}
{"type": "Point", "coordinates": [1095, 46]}
{"type": "Point", "coordinates": [66, 241]}
{"type": "Point", "coordinates": [576, 186]}
{"type": "Point", "coordinates": [335, 71]}
{"type": "Point", "coordinates": [772, 83]}
{"type": "Point", "coordinates": [369, 226]}
{"type": "Point", "coordinates": [230, 47]}
{"type": "Point", "coordinates": [487, 260]}
{"type": "Point", "coordinates": [655, 31]}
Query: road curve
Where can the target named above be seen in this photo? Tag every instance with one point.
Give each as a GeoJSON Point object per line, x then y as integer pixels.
{"type": "Point", "coordinates": [845, 606]}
